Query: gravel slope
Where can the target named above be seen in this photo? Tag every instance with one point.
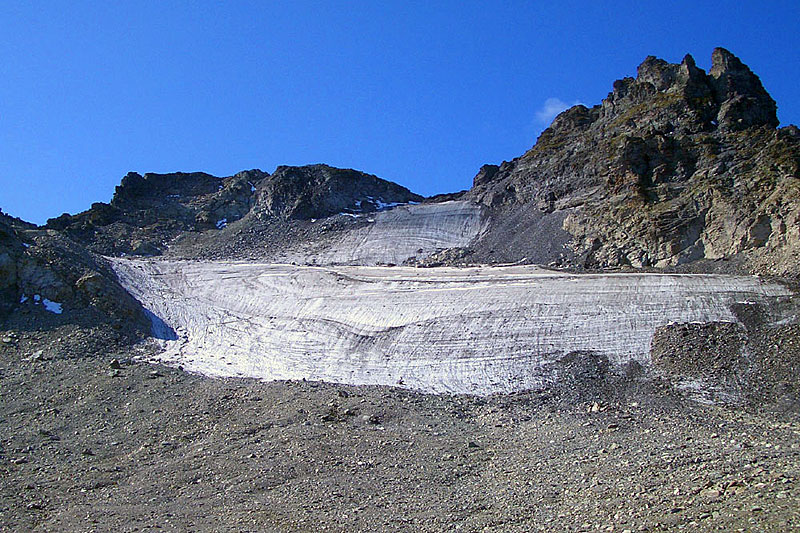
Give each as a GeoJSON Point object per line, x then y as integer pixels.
{"type": "Point", "coordinates": [87, 447]}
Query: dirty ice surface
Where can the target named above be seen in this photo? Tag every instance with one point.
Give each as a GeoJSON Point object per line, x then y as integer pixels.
{"type": "Point", "coordinates": [399, 233]}
{"type": "Point", "coordinates": [473, 330]}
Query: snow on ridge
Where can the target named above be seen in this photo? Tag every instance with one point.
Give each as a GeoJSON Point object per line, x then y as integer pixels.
{"type": "Point", "coordinates": [379, 204]}
{"type": "Point", "coordinates": [383, 206]}
{"type": "Point", "coordinates": [53, 307]}
{"type": "Point", "coordinates": [49, 305]}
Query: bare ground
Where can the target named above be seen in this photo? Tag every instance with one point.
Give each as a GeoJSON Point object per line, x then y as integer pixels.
{"type": "Point", "coordinates": [87, 447]}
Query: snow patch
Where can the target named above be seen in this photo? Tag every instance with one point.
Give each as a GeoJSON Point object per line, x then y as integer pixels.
{"type": "Point", "coordinates": [387, 205]}
{"type": "Point", "coordinates": [49, 305]}
{"type": "Point", "coordinates": [252, 187]}
{"type": "Point", "coordinates": [380, 205]}
{"type": "Point", "coordinates": [359, 208]}
{"type": "Point", "coordinates": [26, 245]}
{"type": "Point", "coordinates": [53, 307]}
{"type": "Point", "coordinates": [221, 223]}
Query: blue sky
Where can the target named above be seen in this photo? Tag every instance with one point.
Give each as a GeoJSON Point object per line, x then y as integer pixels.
{"type": "Point", "coordinates": [422, 93]}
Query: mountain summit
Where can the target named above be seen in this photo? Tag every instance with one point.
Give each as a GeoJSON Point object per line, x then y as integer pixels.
{"type": "Point", "coordinates": [675, 166]}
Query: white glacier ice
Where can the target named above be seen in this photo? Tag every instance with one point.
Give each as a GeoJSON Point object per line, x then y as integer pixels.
{"type": "Point", "coordinates": [470, 330]}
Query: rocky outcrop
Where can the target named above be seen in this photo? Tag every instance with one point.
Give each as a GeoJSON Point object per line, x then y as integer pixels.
{"type": "Point", "coordinates": [319, 191]}
{"type": "Point", "coordinates": [46, 273]}
{"type": "Point", "coordinates": [11, 249]}
{"type": "Point", "coordinates": [148, 211]}
{"type": "Point", "coordinates": [674, 166]}
{"type": "Point", "coordinates": [752, 362]}
{"type": "Point", "coordinates": [743, 101]}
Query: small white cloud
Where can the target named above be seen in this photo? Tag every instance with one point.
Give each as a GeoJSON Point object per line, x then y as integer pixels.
{"type": "Point", "coordinates": [551, 108]}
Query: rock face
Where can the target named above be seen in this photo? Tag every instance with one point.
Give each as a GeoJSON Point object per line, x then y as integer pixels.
{"type": "Point", "coordinates": [319, 191]}
{"type": "Point", "coordinates": [44, 272]}
{"type": "Point", "coordinates": [11, 249]}
{"type": "Point", "coordinates": [148, 211]}
{"type": "Point", "coordinates": [676, 165]}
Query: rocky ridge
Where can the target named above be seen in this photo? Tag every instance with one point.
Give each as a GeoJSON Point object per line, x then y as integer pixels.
{"type": "Point", "coordinates": [40, 266]}
{"type": "Point", "coordinates": [675, 166]}
{"type": "Point", "coordinates": [148, 212]}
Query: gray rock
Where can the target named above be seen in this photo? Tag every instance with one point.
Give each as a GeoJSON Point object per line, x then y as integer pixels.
{"type": "Point", "coordinates": [648, 178]}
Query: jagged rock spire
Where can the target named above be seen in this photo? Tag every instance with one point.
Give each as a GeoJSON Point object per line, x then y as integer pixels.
{"type": "Point", "coordinates": [742, 98]}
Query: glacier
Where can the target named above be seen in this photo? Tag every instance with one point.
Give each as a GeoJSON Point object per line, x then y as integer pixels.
{"type": "Point", "coordinates": [479, 330]}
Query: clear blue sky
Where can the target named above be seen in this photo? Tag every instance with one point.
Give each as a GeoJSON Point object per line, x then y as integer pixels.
{"type": "Point", "coordinates": [422, 93]}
